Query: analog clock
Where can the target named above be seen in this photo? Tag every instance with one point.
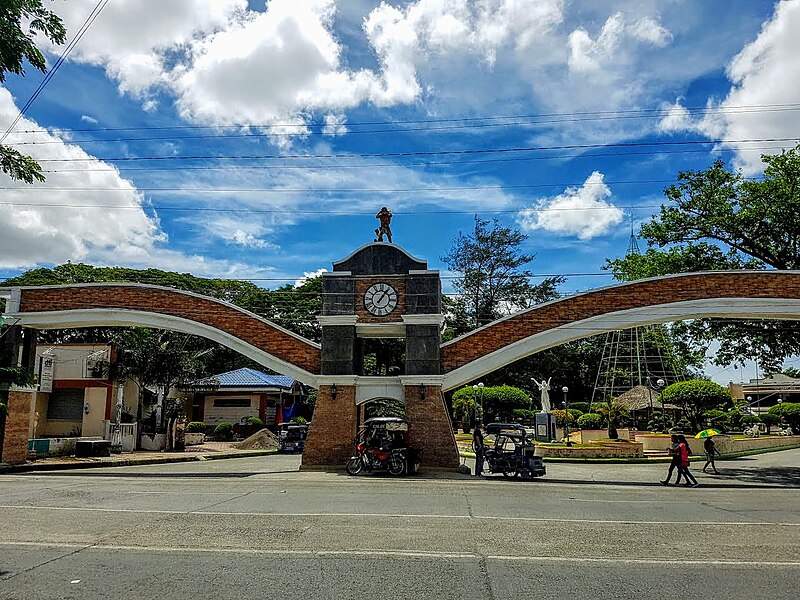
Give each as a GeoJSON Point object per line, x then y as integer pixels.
{"type": "Point", "coordinates": [380, 299]}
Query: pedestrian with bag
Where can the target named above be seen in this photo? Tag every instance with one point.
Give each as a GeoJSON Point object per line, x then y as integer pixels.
{"type": "Point", "coordinates": [684, 452]}
{"type": "Point", "coordinates": [676, 459]}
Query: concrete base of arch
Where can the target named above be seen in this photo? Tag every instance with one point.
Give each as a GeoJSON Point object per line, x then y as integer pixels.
{"type": "Point", "coordinates": [330, 439]}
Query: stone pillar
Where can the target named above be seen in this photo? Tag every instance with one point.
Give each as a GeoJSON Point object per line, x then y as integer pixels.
{"type": "Point", "coordinates": [15, 442]}
{"type": "Point", "coordinates": [430, 429]}
{"type": "Point", "coordinates": [330, 439]}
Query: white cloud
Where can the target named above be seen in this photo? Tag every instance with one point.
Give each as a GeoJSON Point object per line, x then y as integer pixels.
{"type": "Point", "coordinates": [309, 275]}
{"type": "Point", "coordinates": [335, 125]}
{"type": "Point", "coordinates": [89, 119]}
{"type": "Point", "coordinates": [103, 222]}
{"type": "Point", "coordinates": [583, 211]}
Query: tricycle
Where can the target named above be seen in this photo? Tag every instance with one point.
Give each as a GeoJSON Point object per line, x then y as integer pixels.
{"type": "Point", "coordinates": [512, 453]}
{"type": "Point", "coordinates": [292, 437]}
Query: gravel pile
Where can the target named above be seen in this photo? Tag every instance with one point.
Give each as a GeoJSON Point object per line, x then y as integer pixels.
{"type": "Point", "coordinates": [261, 440]}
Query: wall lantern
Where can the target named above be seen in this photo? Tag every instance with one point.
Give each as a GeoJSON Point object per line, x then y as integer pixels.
{"type": "Point", "coordinates": [333, 391]}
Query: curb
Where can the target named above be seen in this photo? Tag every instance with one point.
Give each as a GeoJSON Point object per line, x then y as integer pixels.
{"type": "Point", "coordinates": [655, 460]}
{"type": "Point", "coordinates": [132, 462]}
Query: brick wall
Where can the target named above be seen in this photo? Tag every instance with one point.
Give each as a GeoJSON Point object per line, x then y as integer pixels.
{"type": "Point", "coordinates": [330, 438]}
{"type": "Point", "coordinates": [634, 295]}
{"type": "Point", "coordinates": [15, 443]}
{"type": "Point", "coordinates": [430, 429]}
{"type": "Point", "coordinates": [172, 302]}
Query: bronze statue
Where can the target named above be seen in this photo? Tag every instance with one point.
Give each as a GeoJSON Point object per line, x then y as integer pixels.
{"type": "Point", "coordinates": [385, 217]}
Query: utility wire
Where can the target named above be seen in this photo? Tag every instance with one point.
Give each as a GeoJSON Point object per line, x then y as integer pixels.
{"type": "Point", "coordinates": [101, 4]}
{"type": "Point", "coordinates": [589, 115]}
{"type": "Point", "coordinates": [432, 152]}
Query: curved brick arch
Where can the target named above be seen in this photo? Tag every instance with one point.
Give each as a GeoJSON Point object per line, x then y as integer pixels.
{"type": "Point", "coordinates": [740, 294]}
{"type": "Point", "coordinates": [110, 304]}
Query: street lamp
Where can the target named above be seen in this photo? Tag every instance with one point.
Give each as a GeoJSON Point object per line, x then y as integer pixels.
{"type": "Point", "coordinates": [780, 412]}
{"type": "Point", "coordinates": [661, 383]}
{"type": "Point", "coordinates": [749, 404]}
{"type": "Point", "coordinates": [476, 389]}
{"type": "Point", "coordinates": [565, 389]}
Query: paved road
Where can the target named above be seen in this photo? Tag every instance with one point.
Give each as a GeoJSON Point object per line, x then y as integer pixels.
{"type": "Point", "coordinates": [257, 528]}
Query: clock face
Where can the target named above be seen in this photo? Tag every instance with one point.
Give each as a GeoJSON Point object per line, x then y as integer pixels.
{"type": "Point", "coordinates": [380, 299]}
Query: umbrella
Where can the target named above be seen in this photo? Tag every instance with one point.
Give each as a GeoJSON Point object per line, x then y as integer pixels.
{"type": "Point", "coordinates": [706, 433]}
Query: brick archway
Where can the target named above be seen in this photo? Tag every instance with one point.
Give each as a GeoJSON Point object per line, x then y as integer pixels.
{"type": "Point", "coordinates": [110, 304]}
{"type": "Point", "coordinates": [732, 294]}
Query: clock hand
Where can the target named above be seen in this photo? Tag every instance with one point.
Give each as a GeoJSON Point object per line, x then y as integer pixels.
{"type": "Point", "coordinates": [379, 298]}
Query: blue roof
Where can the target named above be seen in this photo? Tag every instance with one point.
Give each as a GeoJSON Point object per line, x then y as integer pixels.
{"type": "Point", "coordinates": [248, 378]}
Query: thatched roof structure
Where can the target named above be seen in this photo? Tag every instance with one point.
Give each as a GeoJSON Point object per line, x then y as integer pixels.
{"type": "Point", "coordinates": [639, 398]}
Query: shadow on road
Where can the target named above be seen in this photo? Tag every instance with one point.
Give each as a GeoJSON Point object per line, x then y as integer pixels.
{"type": "Point", "coordinates": [117, 474]}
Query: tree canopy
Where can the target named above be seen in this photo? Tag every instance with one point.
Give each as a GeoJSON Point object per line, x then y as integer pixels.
{"type": "Point", "coordinates": [718, 219]}
{"type": "Point", "coordinates": [21, 22]}
{"type": "Point", "coordinates": [695, 397]}
{"type": "Point", "coordinates": [492, 278]}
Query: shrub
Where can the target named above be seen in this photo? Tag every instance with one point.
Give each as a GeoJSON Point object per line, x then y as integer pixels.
{"type": "Point", "coordinates": [790, 411]}
{"type": "Point", "coordinates": [575, 414]}
{"type": "Point", "coordinates": [560, 416]}
{"type": "Point", "coordinates": [299, 420]}
{"type": "Point", "coordinates": [224, 430]}
{"type": "Point", "coordinates": [523, 414]}
{"type": "Point", "coordinates": [750, 419]}
{"type": "Point", "coordinates": [254, 422]}
{"type": "Point", "coordinates": [590, 421]}
{"type": "Point", "coordinates": [195, 427]}
{"type": "Point", "coordinates": [581, 406]}
{"type": "Point", "coordinates": [769, 420]}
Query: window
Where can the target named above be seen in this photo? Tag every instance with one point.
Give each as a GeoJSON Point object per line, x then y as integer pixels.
{"type": "Point", "coordinates": [232, 403]}
{"type": "Point", "coordinates": [65, 405]}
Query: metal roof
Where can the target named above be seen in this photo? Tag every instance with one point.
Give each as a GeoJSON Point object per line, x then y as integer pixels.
{"type": "Point", "coordinates": [247, 378]}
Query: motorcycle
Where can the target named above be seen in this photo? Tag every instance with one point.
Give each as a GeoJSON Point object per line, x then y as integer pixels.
{"type": "Point", "coordinates": [376, 447]}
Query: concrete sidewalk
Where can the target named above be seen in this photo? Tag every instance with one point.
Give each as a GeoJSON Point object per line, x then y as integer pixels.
{"type": "Point", "coordinates": [210, 451]}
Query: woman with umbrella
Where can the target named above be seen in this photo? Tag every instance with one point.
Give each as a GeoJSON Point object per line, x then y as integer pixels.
{"type": "Point", "coordinates": [710, 447]}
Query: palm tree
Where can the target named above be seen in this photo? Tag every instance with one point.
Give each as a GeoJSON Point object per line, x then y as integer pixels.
{"type": "Point", "coordinates": [612, 411]}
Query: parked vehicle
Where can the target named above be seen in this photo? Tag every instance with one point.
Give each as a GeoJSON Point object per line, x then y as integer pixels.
{"type": "Point", "coordinates": [292, 437]}
{"type": "Point", "coordinates": [512, 453]}
{"type": "Point", "coordinates": [380, 445]}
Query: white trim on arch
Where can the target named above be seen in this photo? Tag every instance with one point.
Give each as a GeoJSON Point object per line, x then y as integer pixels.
{"type": "Point", "coordinates": [117, 317]}
{"type": "Point", "coordinates": [738, 308]}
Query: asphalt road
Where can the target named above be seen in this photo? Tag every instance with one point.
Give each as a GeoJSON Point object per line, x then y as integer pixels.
{"type": "Point", "coordinates": [257, 528]}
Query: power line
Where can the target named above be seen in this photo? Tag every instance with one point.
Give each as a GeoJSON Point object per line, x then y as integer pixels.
{"type": "Point", "coordinates": [427, 129]}
{"type": "Point", "coordinates": [464, 152]}
{"type": "Point", "coordinates": [589, 115]}
{"type": "Point", "coordinates": [101, 4]}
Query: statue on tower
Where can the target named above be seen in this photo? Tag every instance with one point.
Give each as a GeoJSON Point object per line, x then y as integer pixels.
{"type": "Point", "coordinates": [385, 217]}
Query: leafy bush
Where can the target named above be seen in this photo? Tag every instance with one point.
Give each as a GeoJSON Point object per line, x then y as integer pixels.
{"type": "Point", "coordinates": [523, 414]}
{"type": "Point", "coordinates": [750, 419]}
{"type": "Point", "coordinates": [560, 416]}
{"type": "Point", "coordinates": [254, 422]}
{"type": "Point", "coordinates": [299, 420]}
{"type": "Point", "coordinates": [575, 413]}
{"type": "Point", "coordinates": [695, 397]}
{"type": "Point", "coordinates": [581, 406]}
{"type": "Point", "coordinates": [195, 427]}
{"type": "Point", "coordinates": [224, 430]}
{"type": "Point", "coordinates": [590, 421]}
{"type": "Point", "coordinates": [498, 402]}
{"type": "Point", "coordinates": [790, 411]}
{"type": "Point", "coordinates": [769, 420]}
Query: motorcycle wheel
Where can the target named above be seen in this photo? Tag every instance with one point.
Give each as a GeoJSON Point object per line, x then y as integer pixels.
{"type": "Point", "coordinates": [395, 465]}
{"type": "Point", "coordinates": [509, 473]}
{"type": "Point", "coordinates": [354, 466]}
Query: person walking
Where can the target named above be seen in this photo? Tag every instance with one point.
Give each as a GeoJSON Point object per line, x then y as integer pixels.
{"type": "Point", "coordinates": [676, 459]}
{"type": "Point", "coordinates": [478, 448]}
{"type": "Point", "coordinates": [711, 449]}
{"type": "Point", "coordinates": [683, 466]}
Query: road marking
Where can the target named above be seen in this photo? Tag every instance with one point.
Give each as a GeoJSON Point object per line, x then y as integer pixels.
{"type": "Point", "coordinates": [380, 552]}
{"type": "Point", "coordinates": [395, 516]}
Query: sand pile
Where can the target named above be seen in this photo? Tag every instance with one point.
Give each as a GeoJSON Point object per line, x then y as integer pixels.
{"type": "Point", "coordinates": [261, 440]}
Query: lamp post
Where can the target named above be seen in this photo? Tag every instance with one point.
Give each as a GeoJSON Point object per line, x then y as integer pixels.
{"type": "Point", "coordinates": [661, 383]}
{"type": "Point", "coordinates": [565, 389]}
{"type": "Point", "coordinates": [478, 393]}
{"type": "Point", "coordinates": [780, 413]}
{"type": "Point", "coordinates": [749, 404]}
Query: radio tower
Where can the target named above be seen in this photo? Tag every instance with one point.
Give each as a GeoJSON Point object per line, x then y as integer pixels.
{"type": "Point", "coordinates": [634, 356]}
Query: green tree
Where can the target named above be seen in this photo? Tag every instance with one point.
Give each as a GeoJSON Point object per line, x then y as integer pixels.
{"type": "Point", "coordinates": [590, 421]}
{"type": "Point", "coordinates": [717, 219]}
{"type": "Point", "coordinates": [695, 397]}
{"type": "Point", "coordinates": [21, 21]}
{"type": "Point", "coordinates": [492, 279]}
{"type": "Point", "coordinates": [612, 411]}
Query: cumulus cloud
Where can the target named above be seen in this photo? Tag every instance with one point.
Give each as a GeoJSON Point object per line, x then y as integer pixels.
{"type": "Point", "coordinates": [764, 74]}
{"type": "Point", "coordinates": [584, 212]}
{"type": "Point", "coordinates": [308, 276]}
{"type": "Point", "coordinates": [103, 221]}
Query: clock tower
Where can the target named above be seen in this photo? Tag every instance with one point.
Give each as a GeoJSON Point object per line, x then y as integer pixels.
{"type": "Point", "coordinates": [380, 297]}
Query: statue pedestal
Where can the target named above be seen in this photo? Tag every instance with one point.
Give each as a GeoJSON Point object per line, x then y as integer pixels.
{"type": "Point", "coordinates": [545, 427]}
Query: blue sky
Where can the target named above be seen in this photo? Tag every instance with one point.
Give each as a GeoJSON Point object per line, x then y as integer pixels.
{"type": "Point", "coordinates": [326, 94]}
